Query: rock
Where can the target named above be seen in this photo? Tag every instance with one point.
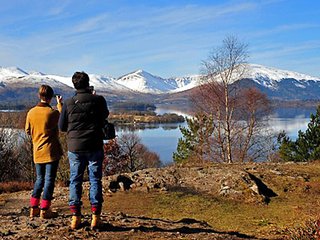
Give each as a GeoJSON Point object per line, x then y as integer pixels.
{"type": "Point", "coordinates": [276, 172]}
{"type": "Point", "coordinates": [121, 185]}
{"type": "Point", "coordinates": [125, 220]}
{"type": "Point", "coordinates": [224, 190]}
{"type": "Point", "coordinates": [223, 180]}
{"type": "Point", "coordinates": [5, 233]}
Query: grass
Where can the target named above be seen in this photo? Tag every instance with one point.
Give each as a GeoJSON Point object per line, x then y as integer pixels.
{"type": "Point", "coordinates": [268, 221]}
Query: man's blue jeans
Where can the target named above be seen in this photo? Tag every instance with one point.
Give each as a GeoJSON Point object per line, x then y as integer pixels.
{"type": "Point", "coordinates": [46, 175]}
{"type": "Point", "coordinates": [79, 161]}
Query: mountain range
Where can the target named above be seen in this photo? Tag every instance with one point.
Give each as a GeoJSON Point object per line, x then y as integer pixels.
{"type": "Point", "coordinates": [17, 84]}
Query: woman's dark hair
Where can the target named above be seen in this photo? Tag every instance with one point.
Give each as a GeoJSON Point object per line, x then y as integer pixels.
{"type": "Point", "coordinates": [80, 80]}
{"type": "Point", "coordinates": [45, 92]}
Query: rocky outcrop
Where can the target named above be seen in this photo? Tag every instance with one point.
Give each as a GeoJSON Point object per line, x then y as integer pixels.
{"type": "Point", "coordinates": [224, 180]}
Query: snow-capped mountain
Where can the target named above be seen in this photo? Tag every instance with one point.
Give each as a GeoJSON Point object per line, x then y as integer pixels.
{"type": "Point", "coordinates": [145, 82]}
{"type": "Point", "coordinates": [282, 84]}
{"type": "Point", "coordinates": [270, 77]}
{"type": "Point", "coordinates": [13, 76]}
{"type": "Point", "coordinates": [17, 78]}
{"type": "Point", "coordinates": [276, 83]}
{"type": "Point", "coordinates": [17, 85]}
{"type": "Point", "coordinates": [101, 83]}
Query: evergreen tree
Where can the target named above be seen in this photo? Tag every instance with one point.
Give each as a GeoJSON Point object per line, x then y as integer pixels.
{"type": "Point", "coordinates": [195, 142]}
{"type": "Point", "coordinates": [307, 145]}
{"type": "Point", "coordinates": [287, 147]}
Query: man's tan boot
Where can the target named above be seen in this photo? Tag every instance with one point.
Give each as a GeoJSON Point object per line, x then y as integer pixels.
{"type": "Point", "coordinates": [96, 222]}
{"type": "Point", "coordinates": [47, 213]}
{"type": "Point", "coordinates": [75, 222]}
{"type": "Point", "coordinates": [34, 212]}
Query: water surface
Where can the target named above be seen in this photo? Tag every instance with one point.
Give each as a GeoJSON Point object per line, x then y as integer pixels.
{"type": "Point", "coordinates": [163, 138]}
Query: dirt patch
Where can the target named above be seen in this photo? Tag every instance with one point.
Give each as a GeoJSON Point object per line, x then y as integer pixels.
{"type": "Point", "coordinates": [15, 224]}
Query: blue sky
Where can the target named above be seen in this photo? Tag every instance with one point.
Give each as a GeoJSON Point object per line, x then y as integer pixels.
{"type": "Point", "coordinates": [165, 38]}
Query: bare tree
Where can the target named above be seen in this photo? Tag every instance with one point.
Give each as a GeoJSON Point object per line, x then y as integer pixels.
{"type": "Point", "coordinates": [130, 145]}
{"type": "Point", "coordinates": [6, 156]}
{"type": "Point", "coordinates": [236, 112]}
{"type": "Point", "coordinates": [115, 161]}
{"type": "Point", "coordinates": [251, 130]}
{"type": "Point", "coordinates": [127, 153]}
{"type": "Point", "coordinates": [15, 148]}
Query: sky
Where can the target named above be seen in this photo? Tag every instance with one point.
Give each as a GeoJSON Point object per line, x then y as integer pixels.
{"type": "Point", "coordinates": [168, 38]}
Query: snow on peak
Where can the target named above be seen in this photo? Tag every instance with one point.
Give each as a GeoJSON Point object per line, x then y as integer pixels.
{"type": "Point", "coordinates": [105, 83]}
{"type": "Point", "coordinates": [143, 81]}
{"type": "Point", "coordinates": [12, 72]}
{"type": "Point", "coordinates": [140, 71]}
{"type": "Point", "coordinates": [269, 76]}
{"type": "Point", "coordinates": [262, 72]}
{"type": "Point", "coordinates": [186, 82]}
{"type": "Point", "coordinates": [35, 73]}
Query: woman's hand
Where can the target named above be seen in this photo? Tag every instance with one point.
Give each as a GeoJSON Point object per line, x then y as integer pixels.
{"type": "Point", "coordinates": [59, 99]}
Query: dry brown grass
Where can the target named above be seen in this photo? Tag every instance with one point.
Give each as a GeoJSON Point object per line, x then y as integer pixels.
{"type": "Point", "coordinates": [9, 187]}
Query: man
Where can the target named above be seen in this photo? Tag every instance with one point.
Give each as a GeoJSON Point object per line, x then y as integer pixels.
{"type": "Point", "coordinates": [83, 117]}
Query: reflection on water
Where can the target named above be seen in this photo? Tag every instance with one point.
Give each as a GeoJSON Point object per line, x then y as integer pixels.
{"type": "Point", "coordinates": [161, 111]}
{"type": "Point", "coordinates": [290, 125]}
{"type": "Point", "coordinates": [163, 138]}
{"type": "Point", "coordinates": [297, 112]}
{"type": "Point", "coordinates": [291, 120]}
{"type": "Point", "coordinates": [160, 138]}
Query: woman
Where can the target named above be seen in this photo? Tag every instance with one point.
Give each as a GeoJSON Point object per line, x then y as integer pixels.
{"type": "Point", "coordinates": [42, 126]}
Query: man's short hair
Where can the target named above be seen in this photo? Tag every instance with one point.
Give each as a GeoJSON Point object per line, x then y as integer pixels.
{"type": "Point", "coordinates": [80, 80]}
{"type": "Point", "coordinates": [45, 92]}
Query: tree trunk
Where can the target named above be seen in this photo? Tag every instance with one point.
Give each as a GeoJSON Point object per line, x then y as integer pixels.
{"type": "Point", "coordinates": [227, 128]}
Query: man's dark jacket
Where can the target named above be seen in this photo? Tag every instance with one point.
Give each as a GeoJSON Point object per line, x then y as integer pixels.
{"type": "Point", "coordinates": [83, 117]}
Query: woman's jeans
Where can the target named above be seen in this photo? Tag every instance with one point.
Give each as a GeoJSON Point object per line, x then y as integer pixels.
{"type": "Point", "coordinates": [79, 161]}
{"type": "Point", "coordinates": [46, 175]}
